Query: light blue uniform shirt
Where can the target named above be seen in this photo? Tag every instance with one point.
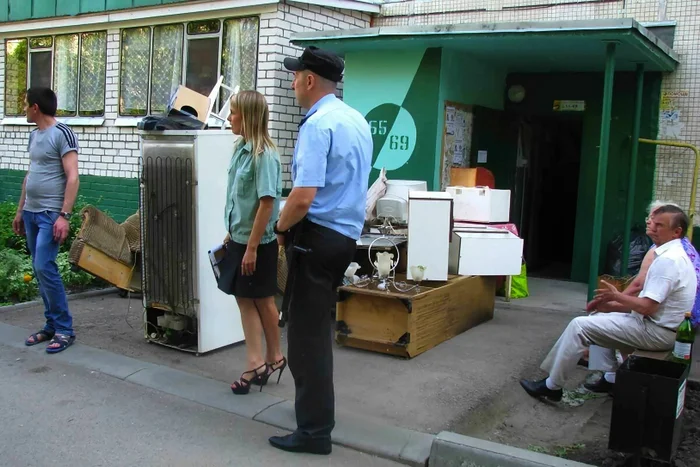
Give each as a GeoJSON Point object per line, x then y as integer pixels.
{"type": "Point", "coordinates": [334, 154]}
{"type": "Point", "coordinates": [249, 179]}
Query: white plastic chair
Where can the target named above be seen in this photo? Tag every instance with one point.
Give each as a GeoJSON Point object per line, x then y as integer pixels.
{"type": "Point", "coordinates": [222, 116]}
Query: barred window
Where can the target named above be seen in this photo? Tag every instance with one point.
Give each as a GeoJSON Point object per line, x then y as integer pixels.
{"type": "Point", "coordinates": [135, 58]}
{"type": "Point", "coordinates": [73, 65]}
{"type": "Point", "coordinates": [194, 54]}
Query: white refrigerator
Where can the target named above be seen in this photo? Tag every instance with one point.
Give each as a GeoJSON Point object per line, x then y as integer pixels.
{"type": "Point", "coordinates": [184, 176]}
{"type": "Point", "coordinates": [429, 233]}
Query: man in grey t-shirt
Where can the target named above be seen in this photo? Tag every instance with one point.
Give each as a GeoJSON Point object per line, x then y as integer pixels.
{"type": "Point", "coordinates": [48, 194]}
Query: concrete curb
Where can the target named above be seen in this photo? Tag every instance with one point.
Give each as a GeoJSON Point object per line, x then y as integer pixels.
{"type": "Point", "coordinates": [75, 296]}
{"type": "Point", "coordinates": [390, 442]}
{"type": "Point", "coordinates": [453, 450]}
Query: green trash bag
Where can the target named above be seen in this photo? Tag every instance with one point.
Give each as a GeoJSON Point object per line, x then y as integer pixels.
{"type": "Point", "coordinates": [518, 288]}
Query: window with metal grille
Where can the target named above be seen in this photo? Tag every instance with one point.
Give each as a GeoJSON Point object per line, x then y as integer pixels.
{"type": "Point", "coordinates": [73, 65]}
{"type": "Point", "coordinates": [194, 54]}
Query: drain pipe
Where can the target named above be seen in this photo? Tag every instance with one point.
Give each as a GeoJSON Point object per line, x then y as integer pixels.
{"type": "Point", "coordinates": [696, 172]}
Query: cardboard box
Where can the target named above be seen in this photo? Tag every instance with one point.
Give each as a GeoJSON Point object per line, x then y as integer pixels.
{"type": "Point", "coordinates": [468, 177]}
{"type": "Point", "coordinates": [191, 100]}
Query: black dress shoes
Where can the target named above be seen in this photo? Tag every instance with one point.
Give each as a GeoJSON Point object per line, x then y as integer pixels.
{"type": "Point", "coordinates": [539, 389]}
{"type": "Point", "coordinates": [602, 386]}
{"type": "Point", "coordinates": [296, 442]}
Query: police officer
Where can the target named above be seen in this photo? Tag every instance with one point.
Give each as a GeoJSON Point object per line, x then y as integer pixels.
{"type": "Point", "coordinates": [319, 226]}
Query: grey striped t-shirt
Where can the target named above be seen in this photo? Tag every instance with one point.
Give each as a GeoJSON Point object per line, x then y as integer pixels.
{"type": "Point", "coordinates": [46, 183]}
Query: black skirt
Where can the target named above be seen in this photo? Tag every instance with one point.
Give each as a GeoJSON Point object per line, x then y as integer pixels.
{"type": "Point", "coordinates": [263, 282]}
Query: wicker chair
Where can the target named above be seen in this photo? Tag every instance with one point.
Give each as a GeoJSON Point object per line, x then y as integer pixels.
{"type": "Point", "coordinates": [109, 250]}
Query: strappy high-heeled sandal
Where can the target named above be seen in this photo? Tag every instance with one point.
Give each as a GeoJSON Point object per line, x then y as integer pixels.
{"type": "Point", "coordinates": [242, 386]}
{"type": "Point", "coordinates": [271, 368]}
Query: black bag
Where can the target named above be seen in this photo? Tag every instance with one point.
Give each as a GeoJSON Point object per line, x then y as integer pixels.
{"type": "Point", "coordinates": [174, 120]}
{"type": "Point", "coordinates": [225, 263]}
{"type": "Point", "coordinates": [639, 246]}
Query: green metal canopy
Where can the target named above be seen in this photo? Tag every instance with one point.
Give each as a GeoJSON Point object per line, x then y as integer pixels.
{"type": "Point", "coordinates": [557, 46]}
{"type": "Point", "coordinates": [605, 46]}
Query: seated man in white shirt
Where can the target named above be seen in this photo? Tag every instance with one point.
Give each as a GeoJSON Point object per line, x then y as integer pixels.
{"type": "Point", "coordinates": [668, 293]}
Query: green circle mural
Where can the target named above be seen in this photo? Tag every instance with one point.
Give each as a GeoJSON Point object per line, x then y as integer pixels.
{"type": "Point", "coordinates": [393, 136]}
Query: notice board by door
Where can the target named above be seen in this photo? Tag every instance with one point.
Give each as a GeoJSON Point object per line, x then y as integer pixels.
{"type": "Point", "coordinates": [456, 139]}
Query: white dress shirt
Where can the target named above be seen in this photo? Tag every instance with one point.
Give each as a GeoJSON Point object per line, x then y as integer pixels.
{"type": "Point", "coordinates": [671, 282]}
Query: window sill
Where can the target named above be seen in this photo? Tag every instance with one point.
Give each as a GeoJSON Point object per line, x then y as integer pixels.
{"type": "Point", "coordinates": [71, 121]}
{"type": "Point", "coordinates": [20, 121]}
{"type": "Point", "coordinates": [134, 121]}
{"type": "Point", "coordinates": [82, 121]}
{"type": "Point", "coordinates": [127, 121]}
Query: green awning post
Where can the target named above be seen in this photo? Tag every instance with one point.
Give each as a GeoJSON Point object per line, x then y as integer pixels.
{"type": "Point", "coordinates": [633, 170]}
{"type": "Point", "coordinates": [602, 167]}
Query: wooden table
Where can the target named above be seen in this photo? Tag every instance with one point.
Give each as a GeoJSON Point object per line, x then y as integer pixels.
{"type": "Point", "coordinates": [407, 324]}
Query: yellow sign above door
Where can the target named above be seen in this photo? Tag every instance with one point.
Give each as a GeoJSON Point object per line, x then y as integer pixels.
{"type": "Point", "coordinates": [569, 106]}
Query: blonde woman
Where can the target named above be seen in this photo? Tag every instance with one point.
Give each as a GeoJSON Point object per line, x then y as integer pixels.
{"type": "Point", "coordinates": [252, 207]}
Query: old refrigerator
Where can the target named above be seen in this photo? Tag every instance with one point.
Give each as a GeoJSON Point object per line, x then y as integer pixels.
{"type": "Point", "coordinates": [184, 175]}
{"type": "Point", "coordinates": [429, 233]}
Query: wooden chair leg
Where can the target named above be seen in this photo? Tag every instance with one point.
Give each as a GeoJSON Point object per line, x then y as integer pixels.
{"type": "Point", "coordinates": [508, 285]}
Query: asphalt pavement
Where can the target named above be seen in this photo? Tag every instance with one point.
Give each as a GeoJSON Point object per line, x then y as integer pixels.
{"type": "Point", "coordinates": [55, 413]}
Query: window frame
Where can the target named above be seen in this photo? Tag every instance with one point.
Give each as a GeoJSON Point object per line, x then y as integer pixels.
{"type": "Point", "coordinates": [80, 70]}
{"type": "Point", "coordinates": [132, 120]}
{"type": "Point", "coordinates": [31, 50]}
{"type": "Point", "coordinates": [151, 40]}
{"type": "Point", "coordinates": [194, 37]}
{"type": "Point", "coordinates": [82, 119]}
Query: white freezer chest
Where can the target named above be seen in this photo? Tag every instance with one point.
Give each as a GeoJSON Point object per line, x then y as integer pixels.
{"type": "Point", "coordinates": [480, 204]}
{"type": "Point", "coordinates": [485, 252]}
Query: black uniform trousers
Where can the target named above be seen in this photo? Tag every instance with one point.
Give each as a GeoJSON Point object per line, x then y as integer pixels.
{"type": "Point", "coordinates": [316, 269]}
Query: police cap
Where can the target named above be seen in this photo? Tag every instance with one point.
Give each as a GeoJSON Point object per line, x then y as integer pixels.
{"type": "Point", "coordinates": [322, 62]}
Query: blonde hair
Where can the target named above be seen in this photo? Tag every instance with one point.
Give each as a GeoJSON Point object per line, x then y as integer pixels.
{"type": "Point", "coordinates": [254, 120]}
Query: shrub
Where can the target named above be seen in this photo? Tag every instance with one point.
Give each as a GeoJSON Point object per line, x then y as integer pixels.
{"type": "Point", "coordinates": [18, 284]}
{"type": "Point", "coordinates": [8, 239]}
{"type": "Point", "coordinates": [72, 278]}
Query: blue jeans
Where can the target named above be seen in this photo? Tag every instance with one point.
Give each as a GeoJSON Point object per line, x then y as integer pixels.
{"type": "Point", "coordinates": [43, 248]}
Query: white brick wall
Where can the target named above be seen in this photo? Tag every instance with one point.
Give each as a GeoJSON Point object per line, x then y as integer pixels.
{"type": "Point", "coordinates": [112, 86]}
{"type": "Point", "coordinates": [113, 151]}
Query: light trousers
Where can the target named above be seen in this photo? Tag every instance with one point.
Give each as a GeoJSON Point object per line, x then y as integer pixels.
{"type": "Point", "coordinates": [626, 332]}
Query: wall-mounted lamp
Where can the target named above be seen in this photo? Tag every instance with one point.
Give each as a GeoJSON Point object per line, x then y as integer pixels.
{"type": "Point", "coordinates": [516, 93]}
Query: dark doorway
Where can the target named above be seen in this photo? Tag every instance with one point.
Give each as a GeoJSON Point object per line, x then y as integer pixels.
{"type": "Point", "coordinates": [547, 175]}
{"type": "Point", "coordinates": [537, 158]}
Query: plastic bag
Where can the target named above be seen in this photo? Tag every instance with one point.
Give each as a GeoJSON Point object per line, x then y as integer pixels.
{"type": "Point", "coordinates": [639, 246]}
{"type": "Point", "coordinates": [518, 287]}
{"type": "Point", "coordinates": [175, 120]}
{"type": "Point", "coordinates": [376, 191]}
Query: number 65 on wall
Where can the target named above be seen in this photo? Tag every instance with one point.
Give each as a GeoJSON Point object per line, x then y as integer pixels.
{"type": "Point", "coordinates": [378, 127]}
